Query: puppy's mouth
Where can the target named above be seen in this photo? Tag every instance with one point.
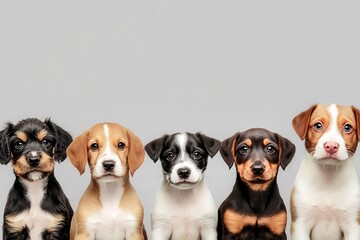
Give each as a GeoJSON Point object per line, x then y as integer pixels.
{"type": "Point", "coordinates": [182, 183]}
{"type": "Point", "coordinates": [258, 181]}
{"type": "Point", "coordinates": [108, 177]}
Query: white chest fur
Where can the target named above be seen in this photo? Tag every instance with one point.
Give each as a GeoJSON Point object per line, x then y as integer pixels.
{"type": "Point", "coordinates": [184, 214]}
{"type": "Point", "coordinates": [35, 219]}
{"type": "Point", "coordinates": [111, 222]}
{"type": "Point", "coordinates": [327, 199]}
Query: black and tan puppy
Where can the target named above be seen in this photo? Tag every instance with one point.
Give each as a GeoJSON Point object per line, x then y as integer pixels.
{"type": "Point", "coordinates": [254, 209]}
{"type": "Point", "coordinates": [37, 207]}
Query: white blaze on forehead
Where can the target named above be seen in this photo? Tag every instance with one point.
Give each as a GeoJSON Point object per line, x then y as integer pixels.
{"type": "Point", "coordinates": [107, 139]}
{"type": "Point", "coordinates": [334, 112]}
{"type": "Point", "coordinates": [181, 139]}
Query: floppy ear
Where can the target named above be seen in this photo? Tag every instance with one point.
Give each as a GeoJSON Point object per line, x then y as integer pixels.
{"type": "Point", "coordinates": [78, 152]}
{"type": "Point", "coordinates": [153, 148]}
{"type": "Point", "coordinates": [212, 145]}
{"type": "Point", "coordinates": [62, 142]}
{"type": "Point", "coordinates": [301, 122]}
{"type": "Point", "coordinates": [136, 152]}
{"type": "Point", "coordinates": [286, 151]}
{"type": "Point", "coordinates": [227, 150]}
{"type": "Point", "coordinates": [357, 117]}
{"type": "Point", "coordinates": [4, 144]}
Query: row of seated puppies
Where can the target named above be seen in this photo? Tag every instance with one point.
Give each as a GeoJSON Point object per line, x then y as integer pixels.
{"type": "Point", "coordinates": [325, 199]}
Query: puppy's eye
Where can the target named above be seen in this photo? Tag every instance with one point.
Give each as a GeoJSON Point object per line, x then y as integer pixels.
{"type": "Point", "coordinates": [18, 145]}
{"type": "Point", "coordinates": [170, 156]}
{"type": "Point", "coordinates": [244, 149]}
{"type": "Point", "coordinates": [348, 128]}
{"type": "Point", "coordinates": [94, 146]}
{"type": "Point", "coordinates": [270, 149]}
{"type": "Point", "coordinates": [121, 145]}
{"type": "Point", "coordinates": [46, 143]}
{"type": "Point", "coordinates": [197, 155]}
{"type": "Point", "coordinates": [318, 126]}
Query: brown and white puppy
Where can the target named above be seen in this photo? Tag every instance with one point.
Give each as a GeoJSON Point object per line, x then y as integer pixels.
{"type": "Point", "coordinates": [110, 207]}
{"type": "Point", "coordinates": [325, 199]}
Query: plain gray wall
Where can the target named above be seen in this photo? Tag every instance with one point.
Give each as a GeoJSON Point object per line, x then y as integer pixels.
{"type": "Point", "coordinates": [165, 66]}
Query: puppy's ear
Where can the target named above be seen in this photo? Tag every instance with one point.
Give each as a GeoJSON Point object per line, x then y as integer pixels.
{"type": "Point", "coordinates": [62, 142]}
{"type": "Point", "coordinates": [357, 117]}
{"type": "Point", "coordinates": [4, 144]}
{"type": "Point", "coordinates": [136, 152]}
{"type": "Point", "coordinates": [286, 151]}
{"type": "Point", "coordinates": [78, 152]}
{"type": "Point", "coordinates": [301, 122]}
{"type": "Point", "coordinates": [154, 148]}
{"type": "Point", "coordinates": [212, 145]}
{"type": "Point", "coordinates": [227, 150]}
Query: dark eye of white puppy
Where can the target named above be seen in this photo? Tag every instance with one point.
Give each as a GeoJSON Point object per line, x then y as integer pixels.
{"type": "Point", "coordinates": [197, 155]}
{"type": "Point", "coordinates": [94, 146]}
{"type": "Point", "coordinates": [244, 149]}
{"type": "Point", "coordinates": [318, 126]}
{"type": "Point", "coordinates": [46, 143]}
{"type": "Point", "coordinates": [121, 145]}
{"type": "Point", "coordinates": [18, 145]}
{"type": "Point", "coordinates": [170, 156]}
{"type": "Point", "coordinates": [348, 128]}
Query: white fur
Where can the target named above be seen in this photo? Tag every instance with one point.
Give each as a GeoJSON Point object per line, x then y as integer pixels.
{"type": "Point", "coordinates": [177, 212]}
{"type": "Point", "coordinates": [111, 222]}
{"type": "Point", "coordinates": [108, 154]}
{"type": "Point", "coordinates": [36, 219]}
{"type": "Point", "coordinates": [327, 196]}
{"type": "Point", "coordinates": [188, 212]}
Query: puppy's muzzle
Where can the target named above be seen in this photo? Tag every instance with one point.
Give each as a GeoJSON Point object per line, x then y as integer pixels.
{"type": "Point", "coordinates": [108, 165]}
{"type": "Point", "coordinates": [257, 168]}
{"type": "Point", "coordinates": [184, 173]}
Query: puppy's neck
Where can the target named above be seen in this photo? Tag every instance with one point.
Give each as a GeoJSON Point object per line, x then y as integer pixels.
{"type": "Point", "coordinates": [258, 201]}
{"type": "Point", "coordinates": [110, 193]}
{"type": "Point", "coordinates": [328, 173]}
{"type": "Point", "coordinates": [34, 190]}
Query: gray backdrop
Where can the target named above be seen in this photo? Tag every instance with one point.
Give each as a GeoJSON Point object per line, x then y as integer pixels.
{"type": "Point", "coordinates": [165, 66]}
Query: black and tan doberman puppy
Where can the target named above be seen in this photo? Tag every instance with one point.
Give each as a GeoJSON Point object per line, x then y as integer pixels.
{"type": "Point", "coordinates": [254, 209]}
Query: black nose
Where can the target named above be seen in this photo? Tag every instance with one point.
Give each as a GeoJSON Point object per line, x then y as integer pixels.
{"type": "Point", "coordinates": [108, 165]}
{"type": "Point", "coordinates": [184, 172]}
{"type": "Point", "coordinates": [33, 161]}
{"type": "Point", "coordinates": [258, 168]}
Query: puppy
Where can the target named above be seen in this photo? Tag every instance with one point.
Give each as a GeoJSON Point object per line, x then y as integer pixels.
{"type": "Point", "coordinates": [184, 207]}
{"type": "Point", "coordinates": [110, 207]}
{"type": "Point", "coordinates": [254, 209]}
{"type": "Point", "coordinates": [37, 207]}
{"type": "Point", "coordinates": [325, 199]}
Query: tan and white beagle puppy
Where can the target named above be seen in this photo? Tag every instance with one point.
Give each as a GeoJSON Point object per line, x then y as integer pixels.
{"type": "Point", "coordinates": [109, 208]}
{"type": "Point", "coordinates": [325, 199]}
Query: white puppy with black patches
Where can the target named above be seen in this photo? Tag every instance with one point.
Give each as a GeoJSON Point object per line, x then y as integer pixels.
{"type": "Point", "coordinates": [325, 200]}
{"type": "Point", "coordinates": [184, 207]}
